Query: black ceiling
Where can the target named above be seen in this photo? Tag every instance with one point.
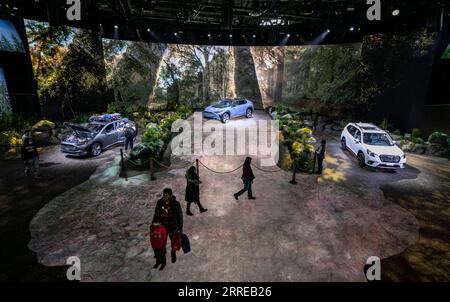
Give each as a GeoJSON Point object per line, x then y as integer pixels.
{"type": "Point", "coordinates": [249, 22]}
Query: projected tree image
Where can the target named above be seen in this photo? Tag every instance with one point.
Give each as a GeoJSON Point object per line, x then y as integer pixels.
{"type": "Point", "coordinates": [5, 106]}
{"type": "Point", "coordinates": [69, 69]}
{"type": "Point", "coordinates": [320, 75]}
{"type": "Point", "coordinates": [159, 74]}
{"type": "Point", "coordinates": [9, 38]}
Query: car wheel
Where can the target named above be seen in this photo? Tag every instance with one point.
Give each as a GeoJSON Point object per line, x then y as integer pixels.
{"type": "Point", "coordinates": [225, 117]}
{"type": "Point", "coordinates": [343, 144]}
{"type": "Point", "coordinates": [361, 160]}
{"type": "Point", "coordinates": [96, 149]}
{"type": "Point", "coordinates": [249, 113]}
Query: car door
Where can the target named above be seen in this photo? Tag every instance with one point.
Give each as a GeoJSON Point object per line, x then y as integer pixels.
{"type": "Point", "coordinates": [356, 141]}
{"type": "Point", "coordinates": [234, 108]}
{"type": "Point", "coordinates": [350, 137]}
{"type": "Point", "coordinates": [120, 128]}
{"type": "Point", "coordinates": [109, 135]}
{"type": "Point", "coordinates": [242, 107]}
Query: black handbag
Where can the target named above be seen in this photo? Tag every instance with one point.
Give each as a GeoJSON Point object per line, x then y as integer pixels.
{"type": "Point", "coordinates": [185, 244]}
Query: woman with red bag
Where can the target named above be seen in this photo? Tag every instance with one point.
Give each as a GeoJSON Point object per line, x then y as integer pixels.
{"type": "Point", "coordinates": [168, 212]}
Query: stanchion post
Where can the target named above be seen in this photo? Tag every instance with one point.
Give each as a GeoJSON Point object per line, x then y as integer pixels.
{"type": "Point", "coordinates": [196, 164]}
{"type": "Point", "coordinates": [152, 173]}
{"type": "Point", "coordinates": [314, 163]}
{"type": "Point", "coordinates": [293, 181]}
{"type": "Point", "coordinates": [123, 172]}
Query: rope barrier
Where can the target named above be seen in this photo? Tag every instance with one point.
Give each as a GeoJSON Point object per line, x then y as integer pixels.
{"type": "Point", "coordinates": [220, 172]}
{"type": "Point", "coordinates": [161, 164]}
{"type": "Point", "coordinates": [168, 167]}
{"type": "Point", "coordinates": [153, 160]}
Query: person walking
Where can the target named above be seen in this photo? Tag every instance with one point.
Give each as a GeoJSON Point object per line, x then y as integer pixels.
{"type": "Point", "coordinates": [247, 179]}
{"type": "Point", "coordinates": [30, 157]}
{"type": "Point", "coordinates": [192, 194]}
{"type": "Point", "coordinates": [320, 153]}
{"type": "Point", "coordinates": [168, 212]}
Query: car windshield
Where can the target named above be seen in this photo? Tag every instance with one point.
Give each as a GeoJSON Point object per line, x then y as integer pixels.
{"type": "Point", "coordinates": [377, 139]}
{"type": "Point", "coordinates": [222, 104]}
{"type": "Point", "coordinates": [95, 127]}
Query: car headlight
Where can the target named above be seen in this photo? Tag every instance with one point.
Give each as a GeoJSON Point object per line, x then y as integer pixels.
{"type": "Point", "coordinates": [371, 153]}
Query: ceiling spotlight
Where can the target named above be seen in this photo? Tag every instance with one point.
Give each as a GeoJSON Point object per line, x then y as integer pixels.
{"type": "Point", "coordinates": [352, 28]}
{"type": "Point", "coordinates": [288, 35]}
{"type": "Point", "coordinates": [231, 36]}
{"type": "Point", "coordinates": [175, 34]}
{"type": "Point", "coordinates": [328, 30]}
{"type": "Point", "coordinates": [209, 35]}
{"type": "Point", "coordinates": [254, 36]}
{"type": "Point", "coordinates": [395, 12]}
{"type": "Point", "coordinates": [148, 29]}
{"type": "Point", "coordinates": [116, 26]}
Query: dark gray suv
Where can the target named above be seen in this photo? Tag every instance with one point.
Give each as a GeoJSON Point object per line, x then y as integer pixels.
{"type": "Point", "coordinates": [100, 133]}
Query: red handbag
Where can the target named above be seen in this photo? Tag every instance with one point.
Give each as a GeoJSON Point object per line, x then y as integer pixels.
{"type": "Point", "coordinates": [175, 242]}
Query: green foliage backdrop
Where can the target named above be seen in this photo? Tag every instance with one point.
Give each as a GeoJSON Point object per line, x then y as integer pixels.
{"type": "Point", "coordinates": [69, 70]}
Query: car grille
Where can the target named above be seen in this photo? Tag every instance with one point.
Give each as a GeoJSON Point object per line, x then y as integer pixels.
{"type": "Point", "coordinates": [390, 158]}
{"type": "Point", "coordinates": [68, 147]}
{"type": "Point", "coordinates": [209, 114]}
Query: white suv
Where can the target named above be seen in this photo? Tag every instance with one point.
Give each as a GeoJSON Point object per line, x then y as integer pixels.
{"type": "Point", "coordinates": [372, 146]}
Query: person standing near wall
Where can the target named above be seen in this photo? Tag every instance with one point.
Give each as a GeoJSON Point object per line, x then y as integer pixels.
{"type": "Point", "coordinates": [320, 153]}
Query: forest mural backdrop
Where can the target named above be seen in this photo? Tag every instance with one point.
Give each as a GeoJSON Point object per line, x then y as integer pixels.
{"type": "Point", "coordinates": [163, 75]}
{"type": "Point", "coordinates": [77, 72]}
{"type": "Point", "coordinates": [69, 70]}
{"type": "Point", "coordinates": [159, 75]}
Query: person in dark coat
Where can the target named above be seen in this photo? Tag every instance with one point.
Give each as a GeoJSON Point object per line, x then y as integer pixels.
{"type": "Point", "coordinates": [320, 153]}
{"type": "Point", "coordinates": [247, 179]}
{"type": "Point", "coordinates": [30, 157]}
{"type": "Point", "coordinates": [168, 212]}
{"type": "Point", "coordinates": [192, 194]}
{"type": "Point", "coordinates": [130, 135]}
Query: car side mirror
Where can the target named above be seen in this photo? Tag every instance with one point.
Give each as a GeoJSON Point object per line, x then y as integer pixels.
{"type": "Point", "coordinates": [357, 141]}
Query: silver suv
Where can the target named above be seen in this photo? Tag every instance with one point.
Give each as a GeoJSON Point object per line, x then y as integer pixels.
{"type": "Point", "coordinates": [102, 132]}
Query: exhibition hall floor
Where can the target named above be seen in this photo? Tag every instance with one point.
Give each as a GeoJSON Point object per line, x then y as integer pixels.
{"type": "Point", "coordinates": [322, 229]}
